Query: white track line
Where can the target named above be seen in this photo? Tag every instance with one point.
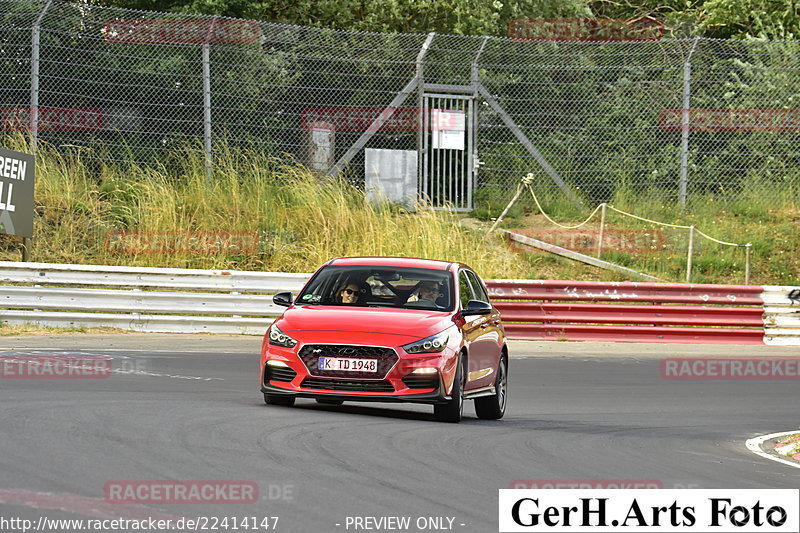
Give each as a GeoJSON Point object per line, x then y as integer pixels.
{"type": "Point", "coordinates": [754, 445]}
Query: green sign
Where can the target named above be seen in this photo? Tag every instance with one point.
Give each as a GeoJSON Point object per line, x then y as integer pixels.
{"type": "Point", "coordinates": [16, 193]}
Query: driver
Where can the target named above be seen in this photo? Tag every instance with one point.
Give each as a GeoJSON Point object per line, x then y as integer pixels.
{"type": "Point", "coordinates": [428, 292]}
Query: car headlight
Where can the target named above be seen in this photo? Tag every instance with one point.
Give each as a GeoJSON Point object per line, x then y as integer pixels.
{"type": "Point", "coordinates": [279, 338]}
{"type": "Point", "coordinates": [432, 344]}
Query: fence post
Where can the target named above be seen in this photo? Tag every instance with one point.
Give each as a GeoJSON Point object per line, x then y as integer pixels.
{"type": "Point", "coordinates": [689, 257]}
{"type": "Point", "coordinates": [421, 132]}
{"type": "Point", "coordinates": [473, 162]}
{"type": "Point", "coordinates": [207, 96]}
{"type": "Point", "coordinates": [687, 94]}
{"type": "Point", "coordinates": [33, 124]}
{"type": "Point", "coordinates": [602, 229]}
{"type": "Point", "coordinates": [207, 106]}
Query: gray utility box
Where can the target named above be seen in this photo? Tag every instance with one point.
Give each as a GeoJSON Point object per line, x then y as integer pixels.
{"type": "Point", "coordinates": [391, 175]}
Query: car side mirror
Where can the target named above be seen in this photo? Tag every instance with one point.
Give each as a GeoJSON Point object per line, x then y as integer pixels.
{"type": "Point", "coordinates": [282, 298]}
{"type": "Point", "coordinates": [476, 307]}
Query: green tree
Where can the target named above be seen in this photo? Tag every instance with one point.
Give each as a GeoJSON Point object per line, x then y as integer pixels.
{"type": "Point", "coordinates": [465, 17]}
{"type": "Point", "coordinates": [763, 19]}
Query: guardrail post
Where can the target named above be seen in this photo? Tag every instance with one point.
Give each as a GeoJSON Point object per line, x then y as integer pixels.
{"type": "Point", "coordinates": [602, 229]}
{"type": "Point", "coordinates": [689, 256]}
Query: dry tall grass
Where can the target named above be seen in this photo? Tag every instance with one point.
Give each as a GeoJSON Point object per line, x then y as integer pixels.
{"type": "Point", "coordinates": [302, 219]}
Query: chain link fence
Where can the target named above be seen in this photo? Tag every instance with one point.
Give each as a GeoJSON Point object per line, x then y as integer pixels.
{"type": "Point", "coordinates": [669, 119]}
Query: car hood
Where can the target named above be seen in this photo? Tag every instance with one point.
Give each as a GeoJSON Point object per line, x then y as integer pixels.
{"type": "Point", "coordinates": [412, 324]}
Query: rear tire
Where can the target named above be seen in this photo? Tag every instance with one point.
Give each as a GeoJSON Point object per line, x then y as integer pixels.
{"type": "Point", "coordinates": [494, 407]}
{"type": "Point", "coordinates": [329, 401]}
{"type": "Point", "coordinates": [285, 400]}
{"type": "Point", "coordinates": [453, 410]}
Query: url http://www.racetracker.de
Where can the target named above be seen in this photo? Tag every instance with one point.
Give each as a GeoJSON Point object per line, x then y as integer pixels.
{"type": "Point", "coordinates": [199, 523]}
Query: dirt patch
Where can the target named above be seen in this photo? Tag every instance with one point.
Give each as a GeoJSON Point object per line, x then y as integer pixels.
{"type": "Point", "coordinates": [8, 330]}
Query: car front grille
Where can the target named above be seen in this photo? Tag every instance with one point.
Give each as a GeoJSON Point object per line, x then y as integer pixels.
{"type": "Point", "coordinates": [277, 373]}
{"type": "Point", "coordinates": [347, 385]}
{"type": "Point", "coordinates": [421, 382]}
{"type": "Point", "coordinates": [385, 357]}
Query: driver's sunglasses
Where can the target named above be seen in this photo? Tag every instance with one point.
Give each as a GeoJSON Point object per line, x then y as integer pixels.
{"type": "Point", "coordinates": [351, 292]}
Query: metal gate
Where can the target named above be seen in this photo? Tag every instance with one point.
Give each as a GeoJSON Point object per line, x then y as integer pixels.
{"type": "Point", "coordinates": [447, 176]}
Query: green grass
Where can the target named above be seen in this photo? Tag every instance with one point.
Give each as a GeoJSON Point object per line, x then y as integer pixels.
{"type": "Point", "coordinates": [772, 227]}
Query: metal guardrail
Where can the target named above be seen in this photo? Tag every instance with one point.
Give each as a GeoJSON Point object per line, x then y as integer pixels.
{"type": "Point", "coordinates": [782, 315]}
{"type": "Point", "coordinates": [142, 299]}
{"type": "Point", "coordinates": [220, 301]}
{"type": "Point", "coordinates": [630, 312]}
{"type": "Point", "coordinates": [149, 278]}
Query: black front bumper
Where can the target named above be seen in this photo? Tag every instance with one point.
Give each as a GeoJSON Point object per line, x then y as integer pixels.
{"type": "Point", "coordinates": [425, 397]}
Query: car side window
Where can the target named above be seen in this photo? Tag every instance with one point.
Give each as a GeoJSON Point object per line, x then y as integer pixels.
{"type": "Point", "coordinates": [464, 289]}
{"type": "Point", "coordinates": [480, 293]}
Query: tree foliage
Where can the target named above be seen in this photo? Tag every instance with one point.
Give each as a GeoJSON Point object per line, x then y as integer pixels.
{"type": "Point", "coordinates": [763, 19]}
{"type": "Point", "coordinates": [766, 19]}
{"type": "Point", "coordinates": [464, 17]}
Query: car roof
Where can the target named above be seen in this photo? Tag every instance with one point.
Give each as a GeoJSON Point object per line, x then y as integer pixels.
{"type": "Point", "coordinates": [411, 262]}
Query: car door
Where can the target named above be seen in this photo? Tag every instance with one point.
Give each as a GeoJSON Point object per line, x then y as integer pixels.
{"type": "Point", "coordinates": [482, 333]}
{"type": "Point", "coordinates": [495, 322]}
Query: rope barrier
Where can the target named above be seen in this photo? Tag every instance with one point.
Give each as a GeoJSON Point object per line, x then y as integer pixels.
{"type": "Point", "coordinates": [556, 223]}
{"type": "Point", "coordinates": [718, 241]}
{"type": "Point", "coordinates": [620, 211]}
{"type": "Point", "coordinates": [528, 180]}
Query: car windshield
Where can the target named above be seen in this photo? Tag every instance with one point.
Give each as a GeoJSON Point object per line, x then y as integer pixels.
{"type": "Point", "coordinates": [370, 286]}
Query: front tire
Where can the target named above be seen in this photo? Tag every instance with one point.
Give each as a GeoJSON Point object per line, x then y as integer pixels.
{"type": "Point", "coordinates": [285, 400]}
{"type": "Point", "coordinates": [494, 407]}
{"type": "Point", "coordinates": [453, 410]}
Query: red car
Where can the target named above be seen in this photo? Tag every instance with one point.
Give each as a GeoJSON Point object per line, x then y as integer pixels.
{"type": "Point", "coordinates": [389, 329]}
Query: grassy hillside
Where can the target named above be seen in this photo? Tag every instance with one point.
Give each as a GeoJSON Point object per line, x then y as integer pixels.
{"type": "Point", "coordinates": [299, 220]}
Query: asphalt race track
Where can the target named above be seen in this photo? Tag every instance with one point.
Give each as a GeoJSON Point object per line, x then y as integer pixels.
{"type": "Point", "coordinates": [189, 408]}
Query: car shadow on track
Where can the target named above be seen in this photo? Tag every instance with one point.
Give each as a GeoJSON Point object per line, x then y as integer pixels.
{"type": "Point", "coordinates": [371, 410]}
{"type": "Point", "coordinates": [510, 424]}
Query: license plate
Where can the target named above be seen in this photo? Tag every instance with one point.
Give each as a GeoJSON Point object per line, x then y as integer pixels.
{"type": "Point", "coordinates": [347, 364]}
